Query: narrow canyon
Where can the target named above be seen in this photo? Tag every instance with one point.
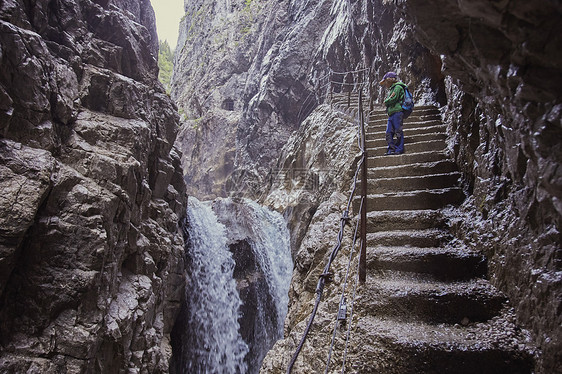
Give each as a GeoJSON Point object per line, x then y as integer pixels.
{"type": "Point", "coordinates": [215, 227]}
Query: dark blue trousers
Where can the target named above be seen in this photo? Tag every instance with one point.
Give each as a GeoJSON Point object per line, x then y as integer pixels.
{"type": "Point", "coordinates": [394, 133]}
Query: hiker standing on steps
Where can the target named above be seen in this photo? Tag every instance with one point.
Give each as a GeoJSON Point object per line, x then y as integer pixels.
{"type": "Point", "coordinates": [393, 104]}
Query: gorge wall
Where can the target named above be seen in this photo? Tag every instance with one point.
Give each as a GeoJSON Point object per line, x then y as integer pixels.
{"type": "Point", "coordinates": [503, 63]}
{"type": "Point", "coordinates": [248, 73]}
{"type": "Point", "coordinates": [91, 258]}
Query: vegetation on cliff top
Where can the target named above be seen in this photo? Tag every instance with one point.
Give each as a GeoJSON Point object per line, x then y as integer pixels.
{"type": "Point", "coordinates": [165, 64]}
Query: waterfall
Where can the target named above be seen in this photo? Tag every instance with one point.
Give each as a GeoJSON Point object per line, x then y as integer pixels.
{"type": "Point", "coordinates": [239, 269]}
{"type": "Point", "coordinates": [214, 344]}
{"type": "Point", "coordinates": [268, 237]}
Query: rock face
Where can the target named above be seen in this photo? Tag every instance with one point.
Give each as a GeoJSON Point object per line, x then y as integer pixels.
{"type": "Point", "coordinates": [90, 253]}
{"type": "Point", "coordinates": [504, 112]}
{"type": "Point", "coordinates": [271, 63]}
{"type": "Point", "coordinates": [258, 307]}
{"type": "Point", "coordinates": [494, 67]}
{"type": "Point", "coordinates": [314, 163]}
{"type": "Point", "coordinates": [425, 305]}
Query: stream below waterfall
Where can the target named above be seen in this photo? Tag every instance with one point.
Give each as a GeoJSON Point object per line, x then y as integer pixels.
{"type": "Point", "coordinates": [239, 269]}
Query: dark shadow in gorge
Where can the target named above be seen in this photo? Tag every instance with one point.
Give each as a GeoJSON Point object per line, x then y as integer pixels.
{"type": "Point", "coordinates": [258, 314]}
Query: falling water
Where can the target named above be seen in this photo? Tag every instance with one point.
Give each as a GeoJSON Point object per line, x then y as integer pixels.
{"type": "Point", "coordinates": [271, 244]}
{"type": "Point", "coordinates": [212, 340]}
{"type": "Point", "coordinates": [269, 239]}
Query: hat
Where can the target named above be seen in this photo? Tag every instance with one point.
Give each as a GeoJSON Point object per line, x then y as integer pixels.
{"type": "Point", "coordinates": [390, 74]}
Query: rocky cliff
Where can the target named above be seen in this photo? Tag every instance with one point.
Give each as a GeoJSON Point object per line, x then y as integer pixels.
{"type": "Point", "coordinates": [494, 68]}
{"type": "Point", "coordinates": [503, 63]}
{"type": "Point", "coordinates": [91, 265]}
{"type": "Point", "coordinates": [247, 74]}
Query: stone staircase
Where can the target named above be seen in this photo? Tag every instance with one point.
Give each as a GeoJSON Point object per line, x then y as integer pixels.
{"type": "Point", "coordinates": [426, 306]}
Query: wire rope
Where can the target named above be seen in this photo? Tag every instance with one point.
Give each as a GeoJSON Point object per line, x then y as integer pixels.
{"type": "Point", "coordinates": [348, 71]}
{"type": "Point", "coordinates": [351, 312]}
{"type": "Point", "coordinates": [325, 276]}
{"type": "Point", "coordinates": [342, 298]}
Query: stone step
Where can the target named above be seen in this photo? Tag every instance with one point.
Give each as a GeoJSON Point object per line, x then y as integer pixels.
{"type": "Point", "coordinates": [378, 160]}
{"type": "Point", "coordinates": [397, 184]}
{"type": "Point", "coordinates": [339, 97]}
{"type": "Point", "coordinates": [429, 127]}
{"type": "Point", "coordinates": [410, 297]}
{"type": "Point", "coordinates": [417, 347]}
{"type": "Point", "coordinates": [417, 169]}
{"type": "Point", "coordinates": [424, 123]}
{"type": "Point", "coordinates": [377, 148]}
{"type": "Point", "coordinates": [423, 116]}
{"type": "Point", "coordinates": [390, 220]}
{"type": "Point", "coordinates": [412, 200]}
{"type": "Point", "coordinates": [415, 238]}
{"type": "Point", "coordinates": [426, 307]}
{"type": "Point", "coordinates": [380, 108]}
{"type": "Point", "coordinates": [441, 263]}
{"type": "Point", "coordinates": [380, 141]}
{"type": "Point", "coordinates": [380, 117]}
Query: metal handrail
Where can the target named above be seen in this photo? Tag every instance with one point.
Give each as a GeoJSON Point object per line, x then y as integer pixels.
{"type": "Point", "coordinates": [363, 212]}
{"type": "Point", "coordinates": [326, 275]}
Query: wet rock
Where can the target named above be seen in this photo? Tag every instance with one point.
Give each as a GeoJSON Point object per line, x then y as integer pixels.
{"type": "Point", "coordinates": [406, 319]}
{"type": "Point", "coordinates": [503, 101]}
{"type": "Point", "coordinates": [257, 303]}
{"type": "Point", "coordinates": [25, 179]}
{"type": "Point", "coordinates": [309, 263]}
{"type": "Point", "coordinates": [273, 62]}
{"type": "Point", "coordinates": [503, 89]}
{"type": "Point", "coordinates": [91, 258]}
{"type": "Point", "coordinates": [312, 165]}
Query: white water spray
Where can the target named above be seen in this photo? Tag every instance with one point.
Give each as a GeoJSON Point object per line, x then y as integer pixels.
{"type": "Point", "coordinates": [272, 248]}
{"type": "Point", "coordinates": [213, 342]}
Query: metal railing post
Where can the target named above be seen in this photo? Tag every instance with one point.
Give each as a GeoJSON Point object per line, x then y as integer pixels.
{"type": "Point", "coordinates": [326, 275]}
{"type": "Point", "coordinates": [363, 255]}
{"type": "Point", "coordinates": [371, 103]}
